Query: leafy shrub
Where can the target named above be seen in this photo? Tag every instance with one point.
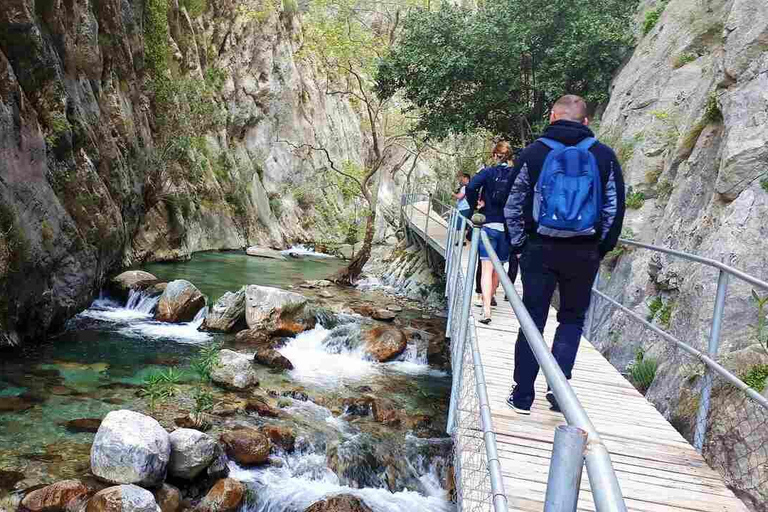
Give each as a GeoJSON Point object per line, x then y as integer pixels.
{"type": "Point", "coordinates": [158, 387]}
{"type": "Point", "coordinates": [203, 400]}
{"type": "Point", "coordinates": [756, 377]}
{"type": "Point", "coordinates": [712, 112]}
{"type": "Point", "coordinates": [642, 371]}
{"type": "Point", "coordinates": [665, 314]}
{"type": "Point", "coordinates": [683, 59]}
{"type": "Point", "coordinates": [654, 307]}
{"type": "Point", "coordinates": [764, 184]}
{"type": "Point", "coordinates": [205, 361]}
{"type": "Point", "coordinates": [634, 200]}
{"type": "Point", "coordinates": [651, 18]}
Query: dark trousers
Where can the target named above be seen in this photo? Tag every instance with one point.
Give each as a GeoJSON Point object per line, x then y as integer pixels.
{"type": "Point", "coordinates": [545, 265]}
{"type": "Point", "coordinates": [511, 272]}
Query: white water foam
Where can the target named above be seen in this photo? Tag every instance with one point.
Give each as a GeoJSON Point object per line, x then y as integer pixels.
{"type": "Point", "coordinates": [372, 283]}
{"type": "Point", "coordinates": [302, 251]}
{"type": "Point", "coordinates": [305, 479]}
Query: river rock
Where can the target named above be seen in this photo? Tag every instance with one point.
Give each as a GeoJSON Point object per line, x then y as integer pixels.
{"type": "Point", "coordinates": [246, 446]}
{"type": "Point", "coordinates": [254, 337]}
{"type": "Point", "coordinates": [121, 285]}
{"type": "Point", "coordinates": [130, 448]}
{"type": "Point", "coordinates": [376, 313]}
{"type": "Point", "coordinates": [340, 503]}
{"type": "Point", "coordinates": [261, 407]}
{"type": "Point", "coordinates": [234, 370]}
{"type": "Point", "coordinates": [283, 437]}
{"type": "Point", "coordinates": [55, 497]}
{"type": "Point", "coordinates": [225, 496]}
{"type": "Point", "coordinates": [264, 252]}
{"type": "Point", "coordinates": [123, 498]}
{"type": "Point", "coordinates": [276, 311]}
{"type": "Point", "coordinates": [90, 425]}
{"type": "Point", "coordinates": [14, 404]}
{"type": "Point", "coordinates": [168, 498]}
{"type": "Point", "coordinates": [180, 302]}
{"type": "Point", "coordinates": [226, 313]}
{"type": "Point", "coordinates": [385, 343]}
{"type": "Point", "coordinates": [272, 358]}
{"type": "Point", "coordinates": [219, 468]}
{"type": "Point", "coordinates": [191, 452]}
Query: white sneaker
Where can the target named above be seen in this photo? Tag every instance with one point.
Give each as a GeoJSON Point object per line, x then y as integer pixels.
{"type": "Point", "coordinates": [478, 300]}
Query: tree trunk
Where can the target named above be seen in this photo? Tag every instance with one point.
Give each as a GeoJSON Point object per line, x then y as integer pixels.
{"type": "Point", "coordinates": [351, 272]}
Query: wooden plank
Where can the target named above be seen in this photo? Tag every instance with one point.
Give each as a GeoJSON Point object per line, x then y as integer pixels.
{"type": "Point", "coordinates": [657, 469]}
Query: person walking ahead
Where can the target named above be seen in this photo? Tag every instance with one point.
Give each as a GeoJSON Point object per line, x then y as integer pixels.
{"type": "Point", "coordinates": [564, 213]}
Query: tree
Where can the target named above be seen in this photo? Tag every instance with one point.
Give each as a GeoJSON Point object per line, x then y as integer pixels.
{"type": "Point", "coordinates": [499, 67]}
{"type": "Point", "coordinates": [346, 39]}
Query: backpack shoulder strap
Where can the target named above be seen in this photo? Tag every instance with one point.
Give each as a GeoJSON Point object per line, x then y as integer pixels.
{"type": "Point", "coordinates": [587, 143]}
{"type": "Point", "coordinates": [551, 143]}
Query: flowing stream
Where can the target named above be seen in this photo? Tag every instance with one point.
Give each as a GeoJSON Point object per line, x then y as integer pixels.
{"type": "Point", "coordinates": [99, 364]}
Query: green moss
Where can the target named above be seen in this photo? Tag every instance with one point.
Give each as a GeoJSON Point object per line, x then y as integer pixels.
{"type": "Point", "coordinates": [634, 200]}
{"type": "Point", "coordinates": [652, 17]}
{"type": "Point", "coordinates": [683, 59]}
{"type": "Point", "coordinates": [756, 377]}
{"type": "Point", "coordinates": [156, 48]}
{"type": "Point", "coordinates": [712, 112]}
{"type": "Point", "coordinates": [664, 190]}
{"type": "Point", "coordinates": [764, 184]}
{"type": "Point", "coordinates": [690, 139]}
{"type": "Point", "coordinates": [58, 125]}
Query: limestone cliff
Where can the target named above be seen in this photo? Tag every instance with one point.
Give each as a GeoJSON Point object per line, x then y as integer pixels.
{"type": "Point", "coordinates": [688, 117]}
{"type": "Point", "coordinates": [135, 130]}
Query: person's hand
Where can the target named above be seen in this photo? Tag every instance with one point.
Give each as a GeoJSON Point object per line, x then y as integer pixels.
{"type": "Point", "coordinates": [481, 204]}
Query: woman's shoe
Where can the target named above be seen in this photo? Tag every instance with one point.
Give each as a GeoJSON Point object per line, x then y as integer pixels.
{"type": "Point", "coordinates": [478, 300]}
{"type": "Point", "coordinates": [485, 320]}
{"type": "Point", "coordinates": [493, 302]}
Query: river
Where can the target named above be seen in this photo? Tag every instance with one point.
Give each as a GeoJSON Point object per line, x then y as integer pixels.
{"type": "Point", "coordinates": [103, 358]}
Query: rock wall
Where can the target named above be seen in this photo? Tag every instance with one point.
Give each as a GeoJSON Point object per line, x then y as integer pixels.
{"type": "Point", "coordinates": [136, 130]}
{"type": "Point", "coordinates": [688, 117]}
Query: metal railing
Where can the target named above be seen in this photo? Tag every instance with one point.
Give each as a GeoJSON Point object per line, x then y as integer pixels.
{"type": "Point", "coordinates": [731, 437]}
{"type": "Point", "coordinates": [469, 413]}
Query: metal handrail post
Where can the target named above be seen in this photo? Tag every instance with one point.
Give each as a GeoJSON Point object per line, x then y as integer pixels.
{"type": "Point", "coordinates": [448, 245]}
{"type": "Point", "coordinates": [592, 306]}
{"type": "Point", "coordinates": [714, 345]}
{"type": "Point", "coordinates": [456, 268]}
{"type": "Point", "coordinates": [606, 491]}
{"type": "Point", "coordinates": [429, 210]}
{"type": "Point", "coordinates": [565, 469]}
{"type": "Point", "coordinates": [466, 302]}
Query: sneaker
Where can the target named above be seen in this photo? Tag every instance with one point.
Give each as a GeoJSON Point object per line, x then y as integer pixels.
{"type": "Point", "coordinates": [517, 408]}
{"type": "Point", "coordinates": [478, 300]}
{"type": "Point", "coordinates": [493, 302]}
{"type": "Point", "coordinates": [553, 402]}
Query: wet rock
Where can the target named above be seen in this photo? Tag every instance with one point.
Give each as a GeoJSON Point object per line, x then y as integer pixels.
{"type": "Point", "coordinates": [191, 452]}
{"type": "Point", "coordinates": [340, 503]}
{"type": "Point", "coordinates": [234, 370]}
{"type": "Point", "coordinates": [385, 411]}
{"type": "Point", "coordinates": [225, 496]}
{"type": "Point", "coordinates": [219, 468]}
{"type": "Point", "coordinates": [320, 283]}
{"type": "Point", "coordinates": [14, 404]}
{"type": "Point", "coordinates": [395, 308]}
{"type": "Point", "coordinates": [282, 437]}
{"type": "Point", "coordinates": [227, 313]}
{"type": "Point", "coordinates": [180, 302]}
{"type": "Point", "coordinates": [123, 498]}
{"type": "Point", "coordinates": [264, 252]}
{"type": "Point", "coordinates": [8, 479]}
{"type": "Point", "coordinates": [358, 406]}
{"type": "Point", "coordinates": [62, 391]}
{"type": "Point", "coordinates": [261, 407]}
{"type": "Point", "coordinates": [276, 311]}
{"type": "Point", "coordinates": [272, 358]}
{"type": "Point", "coordinates": [121, 285]}
{"type": "Point", "coordinates": [55, 497]}
{"type": "Point", "coordinates": [385, 343]}
{"type": "Point", "coordinates": [296, 394]}
{"type": "Point", "coordinates": [246, 446]}
{"type": "Point", "coordinates": [254, 337]}
{"type": "Point", "coordinates": [325, 294]}
{"type": "Point", "coordinates": [168, 498]}
{"type": "Point", "coordinates": [130, 448]}
{"type": "Point", "coordinates": [151, 287]}
{"type": "Point", "coordinates": [375, 313]}
{"type": "Point", "coordinates": [90, 425]}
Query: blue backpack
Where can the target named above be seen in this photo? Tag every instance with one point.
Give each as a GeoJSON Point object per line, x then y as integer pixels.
{"type": "Point", "coordinates": [568, 195]}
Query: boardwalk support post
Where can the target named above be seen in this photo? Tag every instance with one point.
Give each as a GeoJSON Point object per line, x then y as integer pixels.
{"type": "Point", "coordinates": [565, 469]}
{"type": "Point", "coordinates": [714, 344]}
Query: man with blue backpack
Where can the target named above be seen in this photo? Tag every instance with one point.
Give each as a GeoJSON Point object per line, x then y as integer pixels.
{"type": "Point", "coordinates": [563, 214]}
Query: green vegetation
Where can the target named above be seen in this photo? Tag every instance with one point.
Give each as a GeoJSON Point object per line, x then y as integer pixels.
{"type": "Point", "coordinates": [665, 314]}
{"type": "Point", "coordinates": [654, 307]}
{"type": "Point", "coordinates": [652, 176]}
{"type": "Point", "coordinates": [712, 112]}
{"type": "Point", "coordinates": [161, 386]}
{"type": "Point", "coordinates": [58, 125]}
{"type": "Point", "coordinates": [205, 361]}
{"type": "Point", "coordinates": [642, 371]}
{"type": "Point", "coordinates": [291, 7]}
{"type": "Point", "coordinates": [203, 400]}
{"type": "Point", "coordinates": [683, 59]}
{"type": "Point", "coordinates": [664, 190]}
{"type": "Point", "coordinates": [501, 66]}
{"type": "Point", "coordinates": [195, 7]}
{"type": "Point", "coordinates": [652, 17]}
{"type": "Point", "coordinates": [46, 232]}
{"type": "Point", "coordinates": [634, 200]}
{"type": "Point", "coordinates": [156, 49]}
{"type": "Point", "coordinates": [756, 377]}
{"type": "Point", "coordinates": [764, 184]}
{"type": "Point", "coordinates": [283, 403]}
{"type": "Point", "coordinates": [260, 15]}
{"type": "Point", "coordinates": [760, 330]}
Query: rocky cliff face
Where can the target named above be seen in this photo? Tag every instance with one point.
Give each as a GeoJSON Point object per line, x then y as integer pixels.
{"type": "Point", "coordinates": [134, 130]}
{"type": "Point", "coordinates": [689, 118]}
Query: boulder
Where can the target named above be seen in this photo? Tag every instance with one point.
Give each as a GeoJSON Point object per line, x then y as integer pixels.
{"type": "Point", "coordinates": [191, 452]}
{"type": "Point", "coordinates": [384, 343]}
{"type": "Point", "coordinates": [123, 498]}
{"type": "Point", "coordinates": [282, 437]}
{"type": "Point", "coordinates": [90, 425]}
{"type": "Point", "coordinates": [375, 313]}
{"type": "Point", "coordinates": [55, 497]}
{"type": "Point", "coordinates": [219, 468]}
{"type": "Point", "coordinates": [246, 446]}
{"type": "Point", "coordinates": [130, 448]}
{"type": "Point", "coordinates": [261, 407]}
{"type": "Point", "coordinates": [254, 337]}
{"type": "Point", "coordinates": [121, 285]}
{"type": "Point", "coordinates": [151, 287]}
{"type": "Point", "coordinates": [264, 252]}
{"type": "Point", "coordinates": [180, 302]}
{"type": "Point", "coordinates": [272, 358]}
{"type": "Point", "coordinates": [276, 311]}
{"type": "Point", "coordinates": [234, 371]}
{"type": "Point", "coordinates": [14, 404]}
{"type": "Point", "coordinates": [325, 294]}
{"type": "Point", "coordinates": [227, 313]}
{"type": "Point", "coordinates": [395, 308]}
{"type": "Point", "coordinates": [340, 503]}
{"type": "Point", "coordinates": [319, 283]}
{"type": "Point", "coordinates": [225, 496]}
{"type": "Point", "coordinates": [168, 498]}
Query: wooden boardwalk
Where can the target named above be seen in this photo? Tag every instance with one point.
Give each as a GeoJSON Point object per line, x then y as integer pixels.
{"type": "Point", "coordinates": [658, 469]}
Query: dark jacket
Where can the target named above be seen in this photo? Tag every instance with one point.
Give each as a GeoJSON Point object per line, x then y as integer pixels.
{"type": "Point", "coordinates": [518, 211]}
{"type": "Point", "coordinates": [498, 178]}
